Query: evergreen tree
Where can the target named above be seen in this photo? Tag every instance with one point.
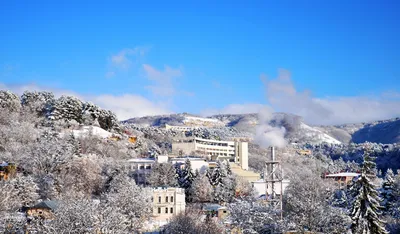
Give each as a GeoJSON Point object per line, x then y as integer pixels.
{"type": "Point", "coordinates": [186, 178]}
{"type": "Point", "coordinates": [366, 208]}
{"type": "Point", "coordinates": [40, 103]}
{"type": "Point", "coordinates": [67, 108]}
{"type": "Point", "coordinates": [387, 191]}
{"type": "Point", "coordinates": [223, 182]}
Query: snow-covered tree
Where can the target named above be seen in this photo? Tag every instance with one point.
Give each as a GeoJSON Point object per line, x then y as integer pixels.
{"type": "Point", "coordinates": [185, 178]}
{"type": "Point", "coordinates": [388, 191]}
{"type": "Point", "coordinates": [71, 215]}
{"type": "Point", "coordinates": [306, 201]}
{"type": "Point", "coordinates": [254, 217]}
{"type": "Point", "coordinates": [108, 120]}
{"type": "Point", "coordinates": [40, 103]}
{"type": "Point", "coordinates": [91, 114]}
{"type": "Point", "coordinates": [163, 174]}
{"type": "Point", "coordinates": [81, 176]}
{"type": "Point", "coordinates": [201, 189]}
{"type": "Point", "coordinates": [67, 108]}
{"type": "Point", "coordinates": [8, 196]}
{"type": "Point", "coordinates": [131, 201]}
{"type": "Point", "coordinates": [191, 222]}
{"type": "Point", "coordinates": [27, 190]}
{"type": "Point", "coordinates": [223, 181]}
{"type": "Point", "coordinates": [366, 209]}
{"type": "Point", "coordinates": [9, 101]}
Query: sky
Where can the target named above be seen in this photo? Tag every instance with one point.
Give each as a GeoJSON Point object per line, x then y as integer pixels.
{"type": "Point", "coordinates": [329, 61]}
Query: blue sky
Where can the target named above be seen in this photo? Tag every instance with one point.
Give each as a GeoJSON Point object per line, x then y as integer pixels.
{"type": "Point", "coordinates": [206, 57]}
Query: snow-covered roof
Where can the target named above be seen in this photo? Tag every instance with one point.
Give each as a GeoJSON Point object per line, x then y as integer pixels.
{"type": "Point", "coordinates": [141, 160]}
{"type": "Point", "coordinates": [344, 174]}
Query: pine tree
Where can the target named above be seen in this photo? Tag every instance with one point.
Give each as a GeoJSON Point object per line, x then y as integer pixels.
{"type": "Point", "coordinates": [186, 178]}
{"type": "Point", "coordinates": [366, 208]}
{"type": "Point", "coordinates": [387, 191]}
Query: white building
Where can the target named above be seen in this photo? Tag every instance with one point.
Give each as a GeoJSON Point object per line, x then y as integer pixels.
{"type": "Point", "coordinates": [232, 151]}
{"type": "Point", "coordinates": [141, 167]}
{"type": "Point", "coordinates": [168, 202]}
{"type": "Point", "coordinates": [199, 164]}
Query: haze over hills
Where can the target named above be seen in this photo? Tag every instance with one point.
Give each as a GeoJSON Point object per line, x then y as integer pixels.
{"type": "Point", "coordinates": [295, 130]}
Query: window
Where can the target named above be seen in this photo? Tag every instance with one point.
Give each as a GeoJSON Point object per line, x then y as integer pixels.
{"type": "Point", "coordinates": [159, 210]}
{"type": "Point", "coordinates": [172, 199]}
{"type": "Point", "coordinates": [148, 167]}
{"type": "Point", "coordinates": [166, 210]}
{"type": "Point", "coordinates": [159, 199]}
{"type": "Point", "coordinates": [172, 210]}
{"type": "Point", "coordinates": [141, 167]}
{"type": "Point", "coordinates": [166, 199]}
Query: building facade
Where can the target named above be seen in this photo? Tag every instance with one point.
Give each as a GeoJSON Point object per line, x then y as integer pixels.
{"type": "Point", "coordinates": [141, 167]}
{"type": "Point", "coordinates": [168, 202]}
{"type": "Point", "coordinates": [233, 151]}
{"type": "Point", "coordinates": [341, 179]}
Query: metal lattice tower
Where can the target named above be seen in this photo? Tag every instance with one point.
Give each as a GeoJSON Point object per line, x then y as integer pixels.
{"type": "Point", "coordinates": [273, 178]}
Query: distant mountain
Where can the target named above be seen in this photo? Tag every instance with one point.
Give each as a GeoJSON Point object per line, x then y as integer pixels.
{"type": "Point", "coordinates": [386, 131]}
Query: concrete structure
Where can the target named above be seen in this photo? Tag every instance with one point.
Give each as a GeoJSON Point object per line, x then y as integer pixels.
{"type": "Point", "coordinates": [168, 202]}
{"type": "Point", "coordinates": [222, 150]}
{"type": "Point", "coordinates": [140, 168]}
{"type": "Point", "coordinates": [342, 179]}
{"type": "Point", "coordinates": [182, 128]}
{"type": "Point", "coordinates": [199, 164]}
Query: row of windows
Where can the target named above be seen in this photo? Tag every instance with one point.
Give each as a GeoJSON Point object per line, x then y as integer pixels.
{"type": "Point", "coordinates": [166, 210]}
{"type": "Point", "coordinates": [166, 199]}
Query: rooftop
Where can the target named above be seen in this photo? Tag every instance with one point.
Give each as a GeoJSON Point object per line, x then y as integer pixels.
{"type": "Point", "coordinates": [344, 174]}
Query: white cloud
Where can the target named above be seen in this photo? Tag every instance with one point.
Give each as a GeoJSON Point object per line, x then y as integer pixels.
{"type": "Point", "coordinates": [124, 58]}
{"type": "Point", "coordinates": [124, 106]}
{"type": "Point", "coordinates": [163, 82]}
{"type": "Point", "coordinates": [235, 109]}
{"type": "Point", "coordinates": [283, 96]}
{"type": "Point", "coordinates": [129, 105]}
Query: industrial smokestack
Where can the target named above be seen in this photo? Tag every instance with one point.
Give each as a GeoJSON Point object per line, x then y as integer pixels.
{"type": "Point", "coordinates": [272, 153]}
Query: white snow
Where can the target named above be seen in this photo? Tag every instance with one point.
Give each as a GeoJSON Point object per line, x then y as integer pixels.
{"type": "Point", "coordinates": [322, 137]}
{"type": "Point", "coordinates": [97, 131]}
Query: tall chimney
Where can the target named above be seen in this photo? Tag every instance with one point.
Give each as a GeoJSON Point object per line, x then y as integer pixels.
{"type": "Point", "coordinates": [272, 153]}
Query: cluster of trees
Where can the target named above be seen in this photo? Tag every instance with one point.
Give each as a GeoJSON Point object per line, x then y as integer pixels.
{"type": "Point", "coordinates": [65, 109]}
{"type": "Point", "coordinates": [370, 204]}
{"type": "Point", "coordinates": [83, 175]}
{"type": "Point", "coordinates": [213, 185]}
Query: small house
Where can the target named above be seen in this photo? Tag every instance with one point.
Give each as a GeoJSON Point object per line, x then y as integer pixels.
{"type": "Point", "coordinates": [43, 210]}
{"type": "Point", "coordinates": [215, 210]}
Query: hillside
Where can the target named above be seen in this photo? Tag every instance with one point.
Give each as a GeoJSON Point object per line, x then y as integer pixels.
{"type": "Point", "coordinates": [384, 131]}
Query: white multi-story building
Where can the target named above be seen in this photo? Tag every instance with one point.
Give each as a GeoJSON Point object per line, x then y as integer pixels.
{"type": "Point", "coordinates": [141, 167]}
{"type": "Point", "coordinates": [168, 202]}
{"type": "Point", "coordinates": [233, 151]}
